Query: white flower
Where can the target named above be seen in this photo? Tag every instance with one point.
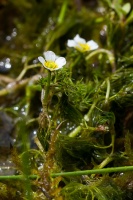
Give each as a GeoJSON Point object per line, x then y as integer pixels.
{"type": "Point", "coordinates": [51, 61]}
{"type": "Point", "coordinates": [81, 44]}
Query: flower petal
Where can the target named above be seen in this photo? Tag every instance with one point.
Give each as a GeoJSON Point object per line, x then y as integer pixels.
{"type": "Point", "coordinates": [78, 39]}
{"type": "Point", "coordinates": [93, 45]}
{"type": "Point", "coordinates": [49, 56]}
{"type": "Point", "coordinates": [71, 43]}
{"type": "Point", "coordinates": [41, 59]}
{"type": "Point", "coordinates": [61, 61]}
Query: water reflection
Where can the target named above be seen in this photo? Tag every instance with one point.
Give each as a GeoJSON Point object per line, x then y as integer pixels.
{"type": "Point", "coordinates": [67, 127]}
{"type": "Point", "coordinates": [7, 167]}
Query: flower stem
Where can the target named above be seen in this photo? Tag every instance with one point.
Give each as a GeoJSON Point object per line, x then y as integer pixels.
{"type": "Point", "coordinates": [94, 171]}
{"type": "Point", "coordinates": [109, 54]}
{"type": "Point", "coordinates": [74, 63]}
{"type": "Point", "coordinates": [46, 93]}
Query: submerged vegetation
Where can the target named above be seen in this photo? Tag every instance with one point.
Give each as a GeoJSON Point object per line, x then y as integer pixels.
{"type": "Point", "coordinates": [72, 111]}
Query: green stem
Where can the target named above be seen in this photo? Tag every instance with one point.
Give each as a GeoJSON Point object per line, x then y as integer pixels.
{"type": "Point", "coordinates": [113, 97]}
{"type": "Point", "coordinates": [94, 171]}
{"type": "Point", "coordinates": [45, 96]}
{"type": "Point", "coordinates": [109, 53]}
{"type": "Point", "coordinates": [110, 157]}
{"type": "Point", "coordinates": [25, 159]}
{"type": "Point", "coordinates": [113, 141]}
{"type": "Point", "coordinates": [103, 147]}
{"type": "Point", "coordinates": [62, 12]}
{"type": "Point", "coordinates": [21, 75]}
{"type": "Point", "coordinates": [75, 61]}
{"type": "Point", "coordinates": [87, 116]}
{"type": "Point", "coordinates": [75, 131]}
{"type": "Point", "coordinates": [105, 162]}
{"type": "Point", "coordinates": [17, 177]}
{"type": "Point", "coordinates": [89, 128]}
{"type": "Point", "coordinates": [108, 91]}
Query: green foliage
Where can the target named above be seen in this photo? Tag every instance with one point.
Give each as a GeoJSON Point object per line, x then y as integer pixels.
{"type": "Point", "coordinates": [121, 78]}
{"type": "Point", "coordinates": [9, 191]}
{"type": "Point", "coordinates": [76, 151]}
{"type": "Point", "coordinates": [86, 122]}
{"type": "Point", "coordinates": [78, 93]}
{"type": "Point", "coordinates": [100, 190]}
{"type": "Point", "coordinates": [69, 111]}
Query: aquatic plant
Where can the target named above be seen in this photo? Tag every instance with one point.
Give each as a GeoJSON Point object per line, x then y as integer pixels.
{"type": "Point", "coordinates": [66, 121]}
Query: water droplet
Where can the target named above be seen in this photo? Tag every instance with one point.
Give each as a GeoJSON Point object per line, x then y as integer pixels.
{"type": "Point", "coordinates": [16, 108]}
{"type": "Point", "coordinates": [24, 110]}
{"type": "Point", "coordinates": [14, 33]}
{"type": "Point", "coordinates": [8, 38]}
{"type": "Point", "coordinates": [5, 65]}
{"type": "Point", "coordinates": [35, 132]}
{"type": "Point", "coordinates": [35, 61]}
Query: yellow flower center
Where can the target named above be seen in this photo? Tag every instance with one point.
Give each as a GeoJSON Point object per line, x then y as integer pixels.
{"type": "Point", "coordinates": [50, 65]}
{"type": "Point", "coordinates": [83, 47]}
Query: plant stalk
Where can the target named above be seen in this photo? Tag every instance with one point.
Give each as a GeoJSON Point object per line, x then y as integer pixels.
{"type": "Point", "coordinates": [94, 171]}
{"type": "Point", "coordinates": [46, 93]}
